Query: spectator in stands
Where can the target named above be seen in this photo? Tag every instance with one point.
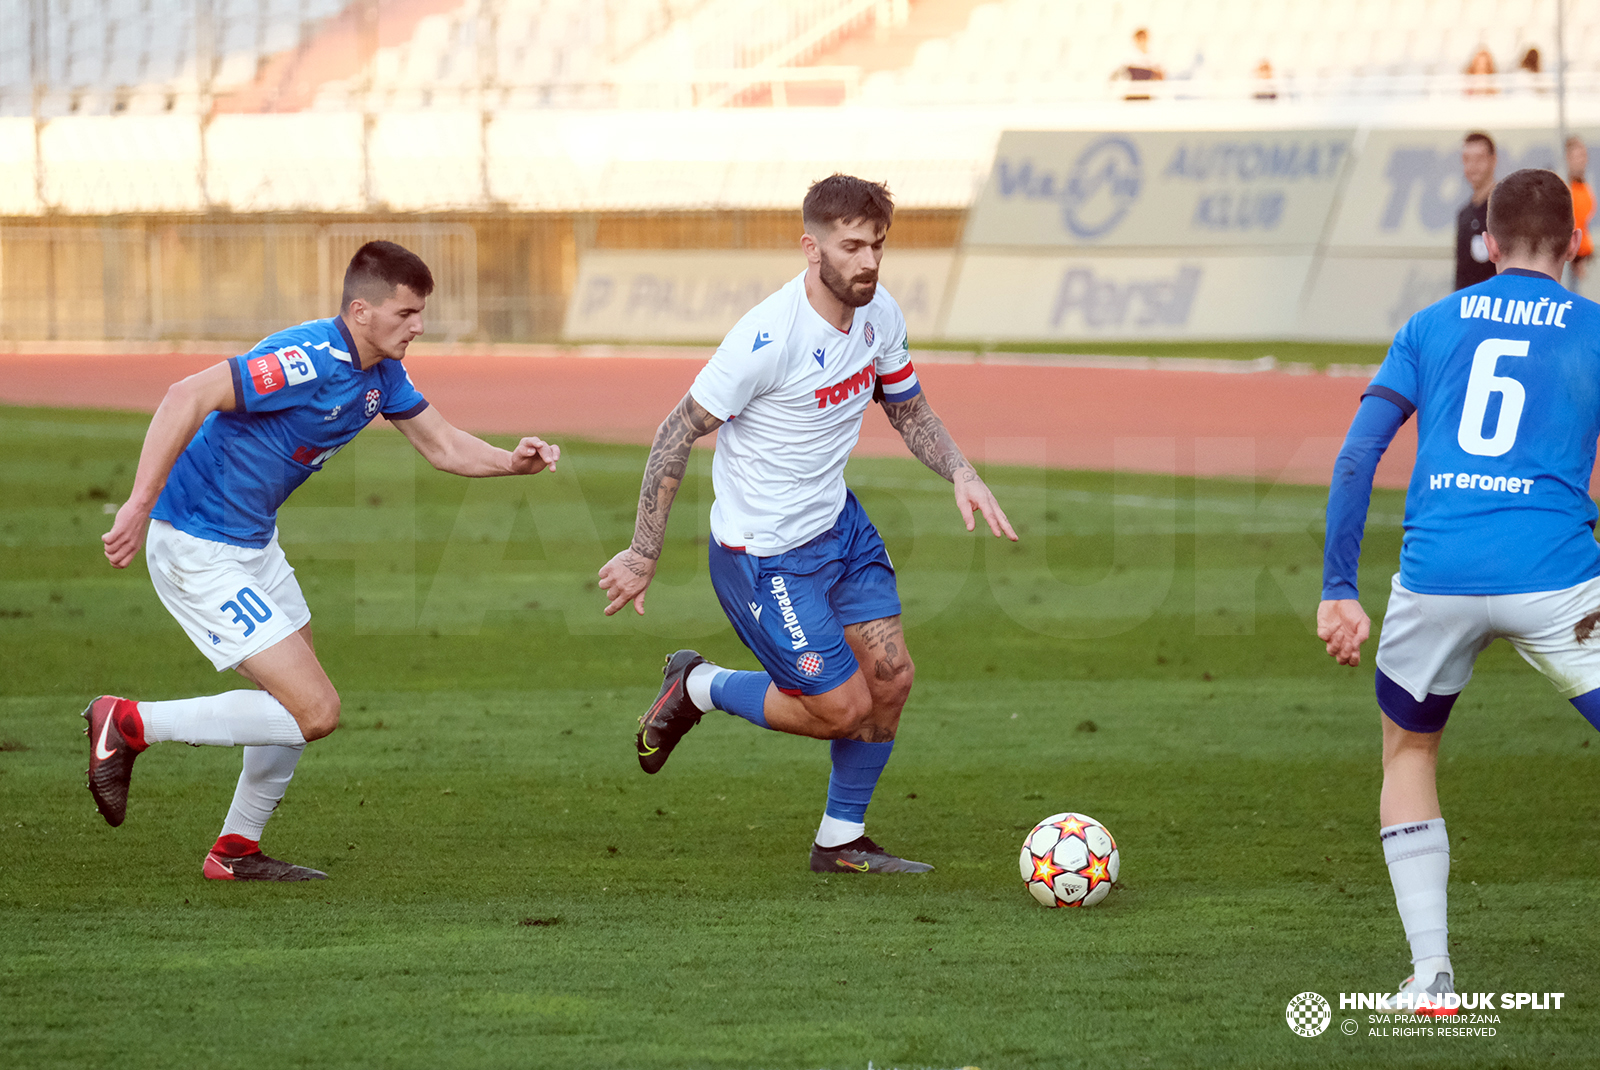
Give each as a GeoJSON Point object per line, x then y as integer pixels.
{"type": "Point", "coordinates": [1267, 90]}
{"type": "Point", "coordinates": [1472, 254]}
{"type": "Point", "coordinates": [1582, 209]}
{"type": "Point", "coordinates": [1141, 66]}
{"type": "Point", "coordinates": [1480, 73]}
{"type": "Point", "coordinates": [1525, 79]}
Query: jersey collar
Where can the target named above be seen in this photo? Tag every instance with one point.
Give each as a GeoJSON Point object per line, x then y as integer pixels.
{"type": "Point", "coordinates": [353, 355]}
{"type": "Point", "coordinates": [1526, 273]}
{"type": "Point", "coordinates": [833, 332]}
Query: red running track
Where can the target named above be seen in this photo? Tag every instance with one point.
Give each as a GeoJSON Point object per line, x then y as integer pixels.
{"type": "Point", "coordinates": [1268, 425]}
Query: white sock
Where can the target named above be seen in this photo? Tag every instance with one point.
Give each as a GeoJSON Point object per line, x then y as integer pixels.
{"type": "Point", "coordinates": [233, 718]}
{"type": "Point", "coordinates": [261, 786]}
{"type": "Point", "coordinates": [698, 685]}
{"type": "Point", "coordinates": [833, 832]}
{"type": "Point", "coordinates": [1418, 853]}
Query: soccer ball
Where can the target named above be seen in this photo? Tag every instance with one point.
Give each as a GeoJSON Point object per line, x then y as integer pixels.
{"type": "Point", "coordinates": [1069, 860]}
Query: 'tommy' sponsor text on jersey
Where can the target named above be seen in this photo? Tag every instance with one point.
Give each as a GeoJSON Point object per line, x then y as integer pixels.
{"type": "Point", "coordinates": [792, 390]}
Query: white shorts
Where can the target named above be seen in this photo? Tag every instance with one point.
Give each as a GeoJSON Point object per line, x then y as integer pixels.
{"type": "Point", "coordinates": [1430, 641]}
{"type": "Point", "coordinates": [232, 601]}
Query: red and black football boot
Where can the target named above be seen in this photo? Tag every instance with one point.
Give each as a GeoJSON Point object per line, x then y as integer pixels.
{"type": "Point", "coordinates": [256, 867]}
{"type": "Point", "coordinates": [111, 753]}
{"type": "Point", "coordinates": [672, 714]}
{"type": "Point", "coordinates": [861, 855]}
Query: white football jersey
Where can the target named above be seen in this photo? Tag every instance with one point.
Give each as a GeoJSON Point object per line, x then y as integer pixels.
{"type": "Point", "coordinates": [792, 390]}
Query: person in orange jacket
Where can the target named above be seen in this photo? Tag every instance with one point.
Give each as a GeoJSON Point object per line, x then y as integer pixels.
{"type": "Point", "coordinates": [1582, 208]}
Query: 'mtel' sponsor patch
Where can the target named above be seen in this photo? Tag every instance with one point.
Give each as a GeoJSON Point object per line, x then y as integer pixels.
{"type": "Point", "coordinates": [287, 367]}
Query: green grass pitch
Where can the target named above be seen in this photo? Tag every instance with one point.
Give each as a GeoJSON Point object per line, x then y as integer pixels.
{"type": "Point", "coordinates": [508, 890]}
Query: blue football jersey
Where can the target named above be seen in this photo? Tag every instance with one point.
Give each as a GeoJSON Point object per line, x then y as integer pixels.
{"type": "Point", "coordinates": [298, 398]}
{"type": "Point", "coordinates": [1505, 380]}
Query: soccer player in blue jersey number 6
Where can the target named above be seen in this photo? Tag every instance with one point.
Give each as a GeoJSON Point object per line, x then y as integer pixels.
{"type": "Point", "coordinates": [799, 569]}
{"type": "Point", "coordinates": [1504, 379]}
{"type": "Point", "coordinates": [224, 450]}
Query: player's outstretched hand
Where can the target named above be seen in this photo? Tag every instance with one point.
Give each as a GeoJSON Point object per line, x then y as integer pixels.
{"type": "Point", "coordinates": [1344, 626]}
{"type": "Point", "coordinates": [625, 578]}
{"type": "Point", "coordinates": [534, 455]}
{"type": "Point", "coordinates": [126, 534]}
{"type": "Point", "coordinates": [973, 494]}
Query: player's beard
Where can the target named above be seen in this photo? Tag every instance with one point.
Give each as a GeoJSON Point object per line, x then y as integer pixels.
{"type": "Point", "coordinates": [850, 292]}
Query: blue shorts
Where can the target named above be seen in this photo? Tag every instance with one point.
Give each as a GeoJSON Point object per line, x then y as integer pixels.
{"type": "Point", "coordinates": [791, 609]}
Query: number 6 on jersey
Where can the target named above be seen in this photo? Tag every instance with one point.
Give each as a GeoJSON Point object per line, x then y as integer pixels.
{"type": "Point", "coordinates": [1484, 382]}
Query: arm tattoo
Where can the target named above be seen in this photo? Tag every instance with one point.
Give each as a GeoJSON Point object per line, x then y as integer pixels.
{"type": "Point", "coordinates": [663, 472]}
{"type": "Point", "coordinates": [927, 438]}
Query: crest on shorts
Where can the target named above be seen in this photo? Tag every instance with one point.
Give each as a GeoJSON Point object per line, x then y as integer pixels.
{"type": "Point", "coordinates": [868, 334]}
{"type": "Point", "coordinates": [809, 663]}
{"type": "Point", "coordinates": [374, 397]}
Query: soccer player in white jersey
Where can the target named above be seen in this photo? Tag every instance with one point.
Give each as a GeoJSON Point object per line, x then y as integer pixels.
{"type": "Point", "coordinates": [1504, 379]}
{"type": "Point", "coordinates": [225, 448]}
{"type": "Point", "coordinates": [799, 569]}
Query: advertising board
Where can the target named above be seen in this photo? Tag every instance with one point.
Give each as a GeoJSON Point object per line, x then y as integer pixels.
{"type": "Point", "coordinates": [698, 295]}
{"type": "Point", "coordinates": [1016, 297]}
{"type": "Point", "coordinates": [1195, 189]}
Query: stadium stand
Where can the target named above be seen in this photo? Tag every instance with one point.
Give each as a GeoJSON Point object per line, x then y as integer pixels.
{"type": "Point", "coordinates": [100, 57]}
{"type": "Point", "coordinates": [1040, 50]}
{"type": "Point", "coordinates": [571, 53]}
{"type": "Point", "coordinates": [145, 142]}
{"type": "Point", "coordinates": [88, 57]}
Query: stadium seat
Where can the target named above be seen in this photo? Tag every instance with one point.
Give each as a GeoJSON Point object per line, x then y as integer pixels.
{"type": "Point", "coordinates": [140, 56]}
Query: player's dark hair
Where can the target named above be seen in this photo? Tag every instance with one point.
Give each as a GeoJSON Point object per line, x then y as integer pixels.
{"type": "Point", "coordinates": [378, 268]}
{"type": "Point", "coordinates": [1479, 135]}
{"type": "Point", "coordinates": [1530, 212]}
{"type": "Point", "coordinates": [844, 198]}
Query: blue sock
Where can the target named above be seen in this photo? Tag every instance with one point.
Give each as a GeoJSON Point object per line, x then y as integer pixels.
{"type": "Point", "coordinates": [743, 694]}
{"type": "Point", "coordinates": [856, 768]}
{"type": "Point", "coordinates": [1588, 704]}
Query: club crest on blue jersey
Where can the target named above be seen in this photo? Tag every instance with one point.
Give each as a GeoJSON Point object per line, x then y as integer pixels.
{"type": "Point", "coordinates": [868, 334]}
{"type": "Point", "coordinates": [374, 399]}
{"type": "Point", "coordinates": [762, 339]}
{"type": "Point", "coordinates": [818, 354]}
{"type": "Point", "coordinates": [809, 663]}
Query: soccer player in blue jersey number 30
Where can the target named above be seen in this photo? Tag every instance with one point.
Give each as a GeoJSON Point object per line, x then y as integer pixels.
{"type": "Point", "coordinates": [799, 569]}
{"type": "Point", "coordinates": [1504, 379]}
{"type": "Point", "coordinates": [224, 450]}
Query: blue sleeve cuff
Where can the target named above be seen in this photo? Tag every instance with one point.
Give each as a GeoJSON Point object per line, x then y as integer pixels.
{"type": "Point", "coordinates": [238, 384]}
{"type": "Point", "coordinates": [409, 413]}
{"type": "Point", "coordinates": [1399, 400]}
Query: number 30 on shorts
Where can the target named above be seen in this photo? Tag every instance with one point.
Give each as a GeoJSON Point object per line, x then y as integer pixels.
{"type": "Point", "coordinates": [248, 609]}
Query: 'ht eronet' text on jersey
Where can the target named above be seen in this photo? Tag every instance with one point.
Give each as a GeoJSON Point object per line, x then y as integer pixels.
{"type": "Point", "coordinates": [792, 390]}
{"type": "Point", "coordinates": [1505, 380]}
{"type": "Point", "coordinates": [298, 398]}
